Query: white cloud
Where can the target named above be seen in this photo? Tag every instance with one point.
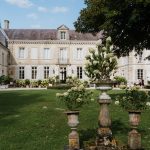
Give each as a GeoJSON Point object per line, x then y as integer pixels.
{"type": "Point", "coordinates": [20, 3]}
{"type": "Point", "coordinates": [42, 9]}
{"type": "Point", "coordinates": [59, 9]}
{"type": "Point", "coordinates": [32, 16]}
{"type": "Point", "coordinates": [36, 26]}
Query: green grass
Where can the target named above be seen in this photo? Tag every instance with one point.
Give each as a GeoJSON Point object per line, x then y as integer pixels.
{"type": "Point", "coordinates": [25, 124]}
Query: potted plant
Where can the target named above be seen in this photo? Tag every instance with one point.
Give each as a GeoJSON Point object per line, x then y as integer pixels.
{"type": "Point", "coordinates": [74, 99]}
{"type": "Point", "coordinates": [134, 101]}
{"type": "Point", "coordinates": [27, 83]}
{"type": "Point", "coordinates": [39, 83]}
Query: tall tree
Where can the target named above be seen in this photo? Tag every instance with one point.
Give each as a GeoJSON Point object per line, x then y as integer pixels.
{"type": "Point", "coordinates": [126, 21]}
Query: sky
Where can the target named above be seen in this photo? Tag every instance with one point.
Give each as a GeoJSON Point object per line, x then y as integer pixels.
{"type": "Point", "coordinates": [42, 14]}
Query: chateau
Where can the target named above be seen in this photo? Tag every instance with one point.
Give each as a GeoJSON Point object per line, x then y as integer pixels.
{"type": "Point", "coordinates": [41, 53]}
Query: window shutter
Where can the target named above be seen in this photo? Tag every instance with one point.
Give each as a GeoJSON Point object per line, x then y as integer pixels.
{"type": "Point", "coordinates": [17, 53]}
{"type": "Point", "coordinates": [74, 54]}
{"type": "Point", "coordinates": [25, 53]}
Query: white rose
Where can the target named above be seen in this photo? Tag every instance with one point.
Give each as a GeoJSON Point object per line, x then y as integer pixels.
{"type": "Point", "coordinates": [104, 48]}
{"type": "Point", "coordinates": [81, 87]}
{"type": "Point", "coordinates": [78, 99]}
{"type": "Point", "coordinates": [87, 56]}
{"type": "Point", "coordinates": [91, 50]}
{"type": "Point", "coordinates": [148, 103]}
{"type": "Point", "coordinates": [108, 39]}
{"type": "Point", "coordinates": [95, 62]}
{"type": "Point", "coordinates": [66, 94]}
{"type": "Point", "coordinates": [116, 102]}
{"type": "Point", "coordinates": [92, 99]}
{"type": "Point", "coordinates": [99, 42]}
{"type": "Point", "coordinates": [96, 71]}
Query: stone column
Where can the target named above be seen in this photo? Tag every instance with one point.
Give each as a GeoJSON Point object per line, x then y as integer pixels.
{"type": "Point", "coordinates": [104, 120]}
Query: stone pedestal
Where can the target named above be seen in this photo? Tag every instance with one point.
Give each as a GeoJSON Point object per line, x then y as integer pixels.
{"type": "Point", "coordinates": [104, 120]}
{"type": "Point", "coordinates": [73, 136]}
{"type": "Point", "coordinates": [74, 140]}
{"type": "Point", "coordinates": [134, 138]}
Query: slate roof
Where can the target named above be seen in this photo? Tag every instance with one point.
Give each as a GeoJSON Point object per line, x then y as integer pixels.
{"type": "Point", "coordinates": [45, 34]}
{"type": "Point", "coordinates": [3, 40]}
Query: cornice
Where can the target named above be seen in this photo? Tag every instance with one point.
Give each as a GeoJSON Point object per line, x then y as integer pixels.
{"type": "Point", "coordinates": [74, 42]}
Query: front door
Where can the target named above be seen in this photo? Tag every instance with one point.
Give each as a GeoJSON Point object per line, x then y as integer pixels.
{"type": "Point", "coordinates": [63, 74]}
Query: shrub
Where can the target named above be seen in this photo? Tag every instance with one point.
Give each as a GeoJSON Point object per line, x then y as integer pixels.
{"type": "Point", "coordinates": [73, 81]}
{"type": "Point", "coordinates": [20, 83]}
{"type": "Point", "coordinates": [101, 63]}
{"type": "Point", "coordinates": [134, 99]}
{"type": "Point", "coordinates": [5, 79]}
{"type": "Point", "coordinates": [120, 79]}
{"type": "Point", "coordinates": [44, 83]}
{"type": "Point", "coordinates": [39, 82]}
{"type": "Point", "coordinates": [34, 83]}
{"type": "Point", "coordinates": [75, 97]}
{"type": "Point", "coordinates": [27, 81]}
{"type": "Point", "coordinates": [123, 87]}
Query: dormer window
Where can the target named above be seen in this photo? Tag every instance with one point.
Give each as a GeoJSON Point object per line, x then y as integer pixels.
{"type": "Point", "coordinates": [63, 35]}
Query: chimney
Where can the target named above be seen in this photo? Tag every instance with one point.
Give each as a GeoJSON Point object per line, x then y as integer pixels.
{"type": "Point", "coordinates": [6, 24]}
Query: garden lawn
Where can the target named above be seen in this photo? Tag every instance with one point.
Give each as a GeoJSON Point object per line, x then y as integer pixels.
{"type": "Point", "coordinates": [34, 120]}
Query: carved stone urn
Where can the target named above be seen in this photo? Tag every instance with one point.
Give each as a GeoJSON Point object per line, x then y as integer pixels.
{"type": "Point", "coordinates": [134, 138]}
{"type": "Point", "coordinates": [104, 120]}
{"type": "Point", "coordinates": [72, 123]}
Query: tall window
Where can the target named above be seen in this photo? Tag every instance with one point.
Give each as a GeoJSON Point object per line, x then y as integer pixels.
{"type": "Point", "coordinates": [46, 72]}
{"type": "Point", "coordinates": [46, 53]}
{"type": "Point", "coordinates": [21, 72]}
{"type": "Point", "coordinates": [79, 53]}
{"type": "Point", "coordinates": [63, 54]}
{"type": "Point", "coordinates": [3, 59]}
{"type": "Point", "coordinates": [34, 53]}
{"type": "Point", "coordinates": [34, 72]}
{"type": "Point", "coordinates": [140, 73]}
{"type": "Point", "coordinates": [21, 52]}
{"type": "Point", "coordinates": [79, 72]}
{"type": "Point", "coordinates": [62, 35]}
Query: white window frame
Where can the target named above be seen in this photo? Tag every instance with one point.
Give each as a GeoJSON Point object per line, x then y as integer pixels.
{"type": "Point", "coordinates": [80, 72]}
{"type": "Point", "coordinates": [79, 53]}
{"type": "Point", "coordinates": [46, 53]}
{"type": "Point", "coordinates": [34, 53]}
{"type": "Point", "coordinates": [21, 52]}
{"type": "Point", "coordinates": [46, 72]}
{"type": "Point", "coordinates": [34, 72]}
{"type": "Point", "coordinates": [140, 73]}
{"type": "Point", "coordinates": [63, 54]}
{"type": "Point", "coordinates": [21, 72]}
{"type": "Point", "coordinates": [63, 35]}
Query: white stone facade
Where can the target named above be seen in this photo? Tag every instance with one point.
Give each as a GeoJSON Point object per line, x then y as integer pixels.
{"type": "Point", "coordinates": [73, 57]}
{"type": "Point", "coordinates": [135, 67]}
{"type": "Point", "coordinates": [39, 54]}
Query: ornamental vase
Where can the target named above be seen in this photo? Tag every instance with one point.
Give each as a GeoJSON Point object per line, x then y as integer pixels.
{"type": "Point", "coordinates": [134, 118]}
{"type": "Point", "coordinates": [72, 123]}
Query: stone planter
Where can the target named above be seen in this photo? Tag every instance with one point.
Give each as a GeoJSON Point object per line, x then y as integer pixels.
{"type": "Point", "coordinates": [72, 123]}
{"type": "Point", "coordinates": [134, 118]}
{"type": "Point", "coordinates": [134, 138]}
